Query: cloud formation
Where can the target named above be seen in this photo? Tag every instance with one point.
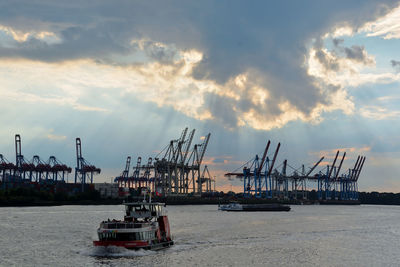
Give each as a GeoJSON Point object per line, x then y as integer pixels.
{"type": "Point", "coordinates": [379, 113]}
{"type": "Point", "coordinates": [387, 27]}
{"type": "Point", "coordinates": [244, 67]}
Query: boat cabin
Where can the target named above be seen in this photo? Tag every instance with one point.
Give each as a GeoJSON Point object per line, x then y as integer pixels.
{"type": "Point", "coordinates": [143, 211]}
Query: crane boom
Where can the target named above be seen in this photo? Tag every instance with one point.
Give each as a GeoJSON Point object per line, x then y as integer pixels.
{"type": "Point", "coordinates": [333, 165]}
{"type": "Point", "coordinates": [359, 170]}
{"type": "Point", "coordinates": [18, 155]}
{"type": "Point", "coordinates": [315, 166]}
{"type": "Point", "coordinates": [78, 153]}
{"type": "Point", "coordinates": [187, 146]}
{"type": "Point", "coordinates": [178, 149]}
{"type": "Point", "coordinates": [263, 158]}
{"type": "Point", "coordinates": [340, 166]}
{"type": "Point", "coordinates": [203, 148]}
{"type": "Point", "coordinates": [355, 168]}
{"type": "Point", "coordinates": [273, 161]}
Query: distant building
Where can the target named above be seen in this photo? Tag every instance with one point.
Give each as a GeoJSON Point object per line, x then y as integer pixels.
{"type": "Point", "coordinates": [107, 190]}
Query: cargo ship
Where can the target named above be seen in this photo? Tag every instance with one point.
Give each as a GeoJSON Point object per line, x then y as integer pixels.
{"type": "Point", "coordinates": [145, 226]}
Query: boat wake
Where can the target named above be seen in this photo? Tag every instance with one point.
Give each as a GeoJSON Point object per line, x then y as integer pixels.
{"type": "Point", "coordinates": [111, 251]}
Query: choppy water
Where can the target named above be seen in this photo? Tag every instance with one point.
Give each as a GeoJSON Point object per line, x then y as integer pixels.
{"type": "Point", "coordinates": [305, 236]}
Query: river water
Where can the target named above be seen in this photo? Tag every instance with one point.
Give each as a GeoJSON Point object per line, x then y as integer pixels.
{"type": "Point", "coordinates": [305, 236]}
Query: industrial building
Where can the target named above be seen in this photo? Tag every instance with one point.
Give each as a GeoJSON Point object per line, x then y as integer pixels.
{"type": "Point", "coordinates": [107, 190]}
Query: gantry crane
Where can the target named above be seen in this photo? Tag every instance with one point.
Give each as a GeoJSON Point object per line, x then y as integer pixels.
{"type": "Point", "coordinates": [84, 171]}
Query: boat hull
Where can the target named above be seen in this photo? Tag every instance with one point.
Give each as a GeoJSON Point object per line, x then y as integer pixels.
{"type": "Point", "coordinates": [134, 244]}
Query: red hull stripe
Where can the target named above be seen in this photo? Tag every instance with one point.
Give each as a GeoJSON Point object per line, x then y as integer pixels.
{"type": "Point", "coordinates": [126, 244]}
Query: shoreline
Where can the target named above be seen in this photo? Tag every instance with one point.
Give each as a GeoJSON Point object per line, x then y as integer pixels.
{"type": "Point", "coordinates": [175, 201]}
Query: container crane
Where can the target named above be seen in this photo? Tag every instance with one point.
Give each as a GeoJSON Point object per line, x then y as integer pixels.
{"type": "Point", "coordinates": [58, 170]}
{"type": "Point", "coordinates": [84, 171]}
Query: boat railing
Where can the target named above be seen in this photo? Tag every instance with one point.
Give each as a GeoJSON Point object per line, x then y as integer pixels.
{"type": "Point", "coordinates": [121, 225]}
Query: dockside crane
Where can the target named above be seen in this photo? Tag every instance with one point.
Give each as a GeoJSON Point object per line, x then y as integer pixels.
{"type": "Point", "coordinates": [178, 185]}
{"type": "Point", "coordinates": [257, 179]}
{"type": "Point", "coordinates": [196, 158]}
{"type": "Point", "coordinates": [147, 174]}
{"type": "Point", "coordinates": [84, 171]}
{"type": "Point", "coordinates": [325, 182]}
{"type": "Point", "coordinates": [23, 168]}
{"type": "Point", "coordinates": [208, 180]}
{"type": "Point", "coordinates": [41, 169]}
{"type": "Point", "coordinates": [268, 178]}
{"type": "Point", "coordinates": [123, 178]}
{"type": "Point", "coordinates": [136, 173]}
{"type": "Point", "coordinates": [6, 169]}
{"type": "Point", "coordinates": [167, 169]}
{"type": "Point", "coordinates": [173, 168]}
{"type": "Point", "coordinates": [125, 173]}
{"type": "Point", "coordinates": [58, 169]}
{"type": "Point", "coordinates": [302, 180]}
{"type": "Point", "coordinates": [183, 175]}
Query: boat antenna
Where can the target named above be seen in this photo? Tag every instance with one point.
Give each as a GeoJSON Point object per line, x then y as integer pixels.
{"type": "Point", "coordinates": [150, 196]}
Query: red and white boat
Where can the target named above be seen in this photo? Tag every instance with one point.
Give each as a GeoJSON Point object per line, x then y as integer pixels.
{"type": "Point", "coordinates": [145, 226]}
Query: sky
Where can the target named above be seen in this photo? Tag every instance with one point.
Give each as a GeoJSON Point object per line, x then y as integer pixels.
{"type": "Point", "coordinates": [128, 76]}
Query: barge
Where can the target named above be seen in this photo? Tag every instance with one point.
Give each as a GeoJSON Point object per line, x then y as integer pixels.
{"type": "Point", "coordinates": [254, 207]}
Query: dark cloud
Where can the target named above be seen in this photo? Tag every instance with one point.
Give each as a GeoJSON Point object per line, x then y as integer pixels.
{"type": "Point", "coordinates": [158, 52]}
{"type": "Point", "coordinates": [328, 63]}
{"type": "Point", "coordinates": [357, 53]}
{"type": "Point", "coordinates": [395, 63]}
{"type": "Point", "coordinates": [331, 62]}
{"type": "Point", "coordinates": [337, 41]}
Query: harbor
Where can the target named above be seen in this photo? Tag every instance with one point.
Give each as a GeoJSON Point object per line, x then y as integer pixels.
{"type": "Point", "coordinates": [177, 175]}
